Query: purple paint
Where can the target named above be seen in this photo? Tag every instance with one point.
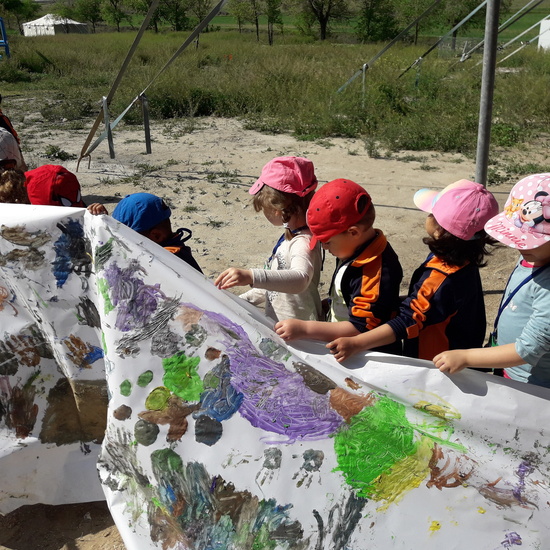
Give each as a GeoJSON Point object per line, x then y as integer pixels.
{"type": "Point", "coordinates": [524, 469]}
{"type": "Point", "coordinates": [274, 399]}
{"type": "Point", "coordinates": [511, 539]}
{"type": "Point", "coordinates": [136, 302]}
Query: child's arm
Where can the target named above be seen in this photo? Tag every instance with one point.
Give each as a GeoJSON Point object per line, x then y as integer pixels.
{"type": "Point", "coordinates": [497, 357]}
{"type": "Point", "coordinates": [295, 329]}
{"type": "Point", "coordinates": [344, 347]}
{"type": "Point", "coordinates": [233, 277]}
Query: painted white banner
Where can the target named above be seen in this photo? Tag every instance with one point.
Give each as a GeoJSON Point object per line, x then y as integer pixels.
{"type": "Point", "coordinates": [219, 436]}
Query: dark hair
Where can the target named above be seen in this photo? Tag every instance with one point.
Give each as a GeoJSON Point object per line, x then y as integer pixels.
{"type": "Point", "coordinates": [288, 203]}
{"type": "Point", "coordinates": [457, 252]}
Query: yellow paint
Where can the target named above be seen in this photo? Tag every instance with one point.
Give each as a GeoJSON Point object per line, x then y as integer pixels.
{"type": "Point", "coordinates": [444, 412]}
{"type": "Point", "coordinates": [435, 526]}
{"type": "Point", "coordinates": [481, 510]}
{"type": "Point", "coordinates": [405, 475]}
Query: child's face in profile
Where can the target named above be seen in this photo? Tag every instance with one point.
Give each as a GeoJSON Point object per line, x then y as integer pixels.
{"type": "Point", "coordinates": [432, 227]}
{"type": "Point", "coordinates": [342, 245]}
{"type": "Point", "coordinates": [537, 256]}
{"type": "Point", "coordinates": [273, 216]}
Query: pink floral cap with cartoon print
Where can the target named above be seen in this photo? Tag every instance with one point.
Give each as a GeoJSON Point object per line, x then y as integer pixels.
{"type": "Point", "coordinates": [525, 221]}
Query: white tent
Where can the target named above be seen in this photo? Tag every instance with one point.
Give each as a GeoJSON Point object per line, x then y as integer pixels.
{"type": "Point", "coordinates": [53, 24]}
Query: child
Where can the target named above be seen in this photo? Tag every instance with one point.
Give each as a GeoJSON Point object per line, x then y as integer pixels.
{"type": "Point", "coordinates": [523, 330]}
{"type": "Point", "coordinates": [365, 286]}
{"type": "Point", "coordinates": [12, 187]}
{"type": "Point", "coordinates": [54, 185]}
{"type": "Point", "coordinates": [288, 284]}
{"type": "Point", "coordinates": [149, 215]}
{"type": "Point", "coordinates": [445, 307]}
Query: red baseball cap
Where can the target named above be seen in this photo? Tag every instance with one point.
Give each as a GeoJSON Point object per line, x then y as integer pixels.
{"type": "Point", "coordinates": [335, 208]}
{"type": "Point", "coordinates": [289, 174]}
{"type": "Point", "coordinates": [53, 185]}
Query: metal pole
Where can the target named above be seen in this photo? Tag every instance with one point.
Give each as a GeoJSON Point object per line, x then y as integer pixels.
{"type": "Point", "coordinates": [487, 89]}
{"type": "Point", "coordinates": [108, 127]}
{"type": "Point", "coordinates": [145, 111]}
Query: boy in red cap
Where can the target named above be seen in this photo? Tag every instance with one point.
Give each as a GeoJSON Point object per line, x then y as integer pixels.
{"type": "Point", "coordinates": [445, 307]}
{"type": "Point", "coordinates": [365, 286]}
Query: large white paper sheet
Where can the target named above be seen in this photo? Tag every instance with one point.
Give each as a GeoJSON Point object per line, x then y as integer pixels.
{"type": "Point", "coordinates": [218, 435]}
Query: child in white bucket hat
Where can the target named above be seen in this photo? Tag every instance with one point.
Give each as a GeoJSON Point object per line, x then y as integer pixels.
{"type": "Point", "coordinates": [288, 284]}
{"type": "Point", "coordinates": [521, 339]}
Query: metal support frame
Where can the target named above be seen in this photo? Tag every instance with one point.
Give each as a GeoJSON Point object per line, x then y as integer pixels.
{"type": "Point", "coordinates": [108, 127]}
{"type": "Point", "coordinates": [4, 39]}
{"type": "Point", "coordinates": [487, 91]}
{"type": "Point", "coordinates": [145, 111]}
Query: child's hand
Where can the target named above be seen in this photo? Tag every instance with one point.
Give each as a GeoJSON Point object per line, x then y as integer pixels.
{"type": "Point", "coordinates": [96, 209]}
{"type": "Point", "coordinates": [291, 329]}
{"type": "Point", "coordinates": [234, 277]}
{"type": "Point", "coordinates": [342, 348]}
{"type": "Point", "coordinates": [451, 361]}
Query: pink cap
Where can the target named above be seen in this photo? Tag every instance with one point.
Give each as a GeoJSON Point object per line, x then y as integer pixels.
{"type": "Point", "coordinates": [289, 174]}
{"type": "Point", "coordinates": [525, 222]}
{"type": "Point", "coordinates": [335, 208]}
{"type": "Point", "coordinates": [462, 208]}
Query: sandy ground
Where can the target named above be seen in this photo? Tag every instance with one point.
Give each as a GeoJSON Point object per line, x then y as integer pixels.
{"type": "Point", "coordinates": [203, 168]}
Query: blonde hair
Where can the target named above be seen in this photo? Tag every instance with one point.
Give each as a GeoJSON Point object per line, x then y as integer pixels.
{"type": "Point", "coordinates": [288, 203]}
{"type": "Point", "coordinates": [12, 187]}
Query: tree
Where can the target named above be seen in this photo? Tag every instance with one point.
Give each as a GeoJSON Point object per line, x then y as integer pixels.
{"type": "Point", "coordinates": [376, 21]}
{"type": "Point", "coordinates": [113, 11]}
{"type": "Point", "coordinates": [20, 10]}
{"type": "Point", "coordinates": [256, 12]}
{"type": "Point", "coordinates": [174, 12]}
{"type": "Point", "coordinates": [323, 11]}
{"type": "Point", "coordinates": [141, 7]}
{"type": "Point", "coordinates": [406, 11]}
{"type": "Point", "coordinates": [241, 10]}
{"type": "Point", "coordinates": [89, 11]}
{"type": "Point", "coordinates": [274, 17]}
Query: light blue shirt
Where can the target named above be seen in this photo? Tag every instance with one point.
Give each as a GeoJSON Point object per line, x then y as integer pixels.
{"type": "Point", "coordinates": [526, 322]}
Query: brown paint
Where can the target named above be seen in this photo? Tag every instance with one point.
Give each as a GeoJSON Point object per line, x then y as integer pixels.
{"type": "Point", "coordinates": [347, 404]}
{"type": "Point", "coordinates": [455, 470]}
{"type": "Point", "coordinates": [175, 414]}
{"type": "Point", "coordinates": [77, 411]}
{"type": "Point", "coordinates": [212, 354]}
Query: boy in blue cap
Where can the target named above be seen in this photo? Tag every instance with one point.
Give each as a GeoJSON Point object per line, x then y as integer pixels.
{"type": "Point", "coordinates": [149, 215]}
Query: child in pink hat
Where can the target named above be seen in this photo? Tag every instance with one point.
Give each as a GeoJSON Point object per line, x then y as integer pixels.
{"type": "Point", "coordinates": [445, 308]}
{"type": "Point", "coordinates": [288, 284]}
{"type": "Point", "coordinates": [521, 338]}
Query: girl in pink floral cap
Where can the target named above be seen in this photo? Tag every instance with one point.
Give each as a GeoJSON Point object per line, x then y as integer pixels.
{"type": "Point", "coordinates": [288, 284]}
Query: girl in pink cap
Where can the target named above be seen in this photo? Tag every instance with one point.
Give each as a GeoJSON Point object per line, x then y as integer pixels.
{"type": "Point", "coordinates": [445, 308]}
{"type": "Point", "coordinates": [521, 338]}
{"type": "Point", "coordinates": [288, 284]}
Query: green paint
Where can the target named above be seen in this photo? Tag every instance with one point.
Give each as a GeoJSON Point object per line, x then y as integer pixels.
{"type": "Point", "coordinates": [166, 460]}
{"type": "Point", "coordinates": [39, 298]}
{"type": "Point", "coordinates": [181, 376]}
{"type": "Point", "coordinates": [263, 540]}
{"type": "Point", "coordinates": [211, 380]}
{"type": "Point", "coordinates": [145, 378]}
{"type": "Point", "coordinates": [377, 438]}
{"type": "Point", "coordinates": [157, 400]}
{"type": "Point", "coordinates": [103, 253]}
{"type": "Point", "coordinates": [196, 336]}
{"type": "Point", "coordinates": [126, 388]}
{"type": "Point", "coordinates": [103, 288]}
{"type": "Point", "coordinates": [103, 342]}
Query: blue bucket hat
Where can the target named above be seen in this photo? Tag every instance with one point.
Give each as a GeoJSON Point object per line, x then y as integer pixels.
{"type": "Point", "coordinates": [141, 211]}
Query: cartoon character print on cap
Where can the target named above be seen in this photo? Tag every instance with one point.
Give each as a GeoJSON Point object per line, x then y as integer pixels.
{"type": "Point", "coordinates": [533, 212]}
